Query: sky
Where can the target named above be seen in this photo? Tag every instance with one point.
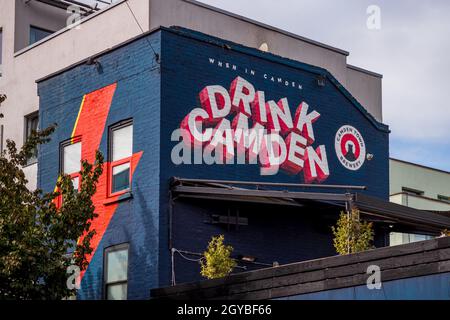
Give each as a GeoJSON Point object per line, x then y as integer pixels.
{"type": "Point", "coordinates": [411, 49]}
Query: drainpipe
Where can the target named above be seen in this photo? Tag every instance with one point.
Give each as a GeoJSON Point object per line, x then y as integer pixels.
{"type": "Point", "coordinates": [171, 208]}
{"type": "Point", "coordinates": [349, 206]}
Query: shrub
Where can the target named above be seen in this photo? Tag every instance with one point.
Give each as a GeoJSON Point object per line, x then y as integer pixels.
{"type": "Point", "coordinates": [217, 262]}
{"type": "Point", "coordinates": [352, 235]}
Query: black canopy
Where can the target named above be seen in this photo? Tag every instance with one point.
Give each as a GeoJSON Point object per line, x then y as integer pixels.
{"type": "Point", "coordinates": [285, 194]}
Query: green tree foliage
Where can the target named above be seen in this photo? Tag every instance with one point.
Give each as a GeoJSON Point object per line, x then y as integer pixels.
{"type": "Point", "coordinates": [352, 235]}
{"type": "Point", "coordinates": [217, 262]}
{"type": "Point", "coordinates": [38, 241]}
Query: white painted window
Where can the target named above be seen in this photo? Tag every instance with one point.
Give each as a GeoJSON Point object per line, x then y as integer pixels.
{"type": "Point", "coordinates": [71, 161]}
{"type": "Point", "coordinates": [121, 152]}
{"type": "Point", "coordinates": [72, 158]}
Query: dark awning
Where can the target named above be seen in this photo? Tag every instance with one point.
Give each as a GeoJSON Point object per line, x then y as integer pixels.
{"type": "Point", "coordinates": [285, 194]}
{"type": "Point", "coordinates": [401, 213]}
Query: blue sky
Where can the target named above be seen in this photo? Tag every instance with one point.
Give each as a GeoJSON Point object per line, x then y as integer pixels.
{"type": "Point", "coordinates": [411, 50]}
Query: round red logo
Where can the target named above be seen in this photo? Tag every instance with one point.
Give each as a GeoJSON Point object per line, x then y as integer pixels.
{"type": "Point", "coordinates": [350, 147]}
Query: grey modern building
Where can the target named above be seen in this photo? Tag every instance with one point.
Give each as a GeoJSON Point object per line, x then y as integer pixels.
{"type": "Point", "coordinates": [419, 187]}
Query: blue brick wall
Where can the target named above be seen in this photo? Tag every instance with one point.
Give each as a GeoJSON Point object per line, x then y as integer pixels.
{"type": "Point", "coordinates": [158, 97]}
{"type": "Point", "coordinates": [292, 235]}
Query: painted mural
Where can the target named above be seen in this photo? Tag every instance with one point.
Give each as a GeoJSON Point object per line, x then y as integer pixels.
{"type": "Point", "coordinates": [209, 109]}
{"type": "Point", "coordinates": [276, 140]}
{"type": "Point", "coordinates": [88, 129]}
{"type": "Point", "coordinates": [248, 115]}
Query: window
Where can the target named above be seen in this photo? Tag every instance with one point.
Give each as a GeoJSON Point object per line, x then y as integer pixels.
{"type": "Point", "coordinates": [31, 125]}
{"type": "Point", "coordinates": [116, 272]}
{"type": "Point", "coordinates": [37, 34]}
{"type": "Point", "coordinates": [71, 160]}
{"type": "Point", "coordinates": [398, 238]}
{"type": "Point", "coordinates": [121, 150]}
{"type": "Point", "coordinates": [413, 192]}
{"type": "Point", "coordinates": [444, 198]}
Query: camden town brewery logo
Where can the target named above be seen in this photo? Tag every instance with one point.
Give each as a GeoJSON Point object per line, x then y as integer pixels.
{"type": "Point", "coordinates": [350, 147]}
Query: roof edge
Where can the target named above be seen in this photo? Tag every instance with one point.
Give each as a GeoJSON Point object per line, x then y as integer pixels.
{"type": "Point", "coordinates": [419, 165]}
{"type": "Point", "coordinates": [368, 72]}
{"type": "Point", "coordinates": [101, 53]}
